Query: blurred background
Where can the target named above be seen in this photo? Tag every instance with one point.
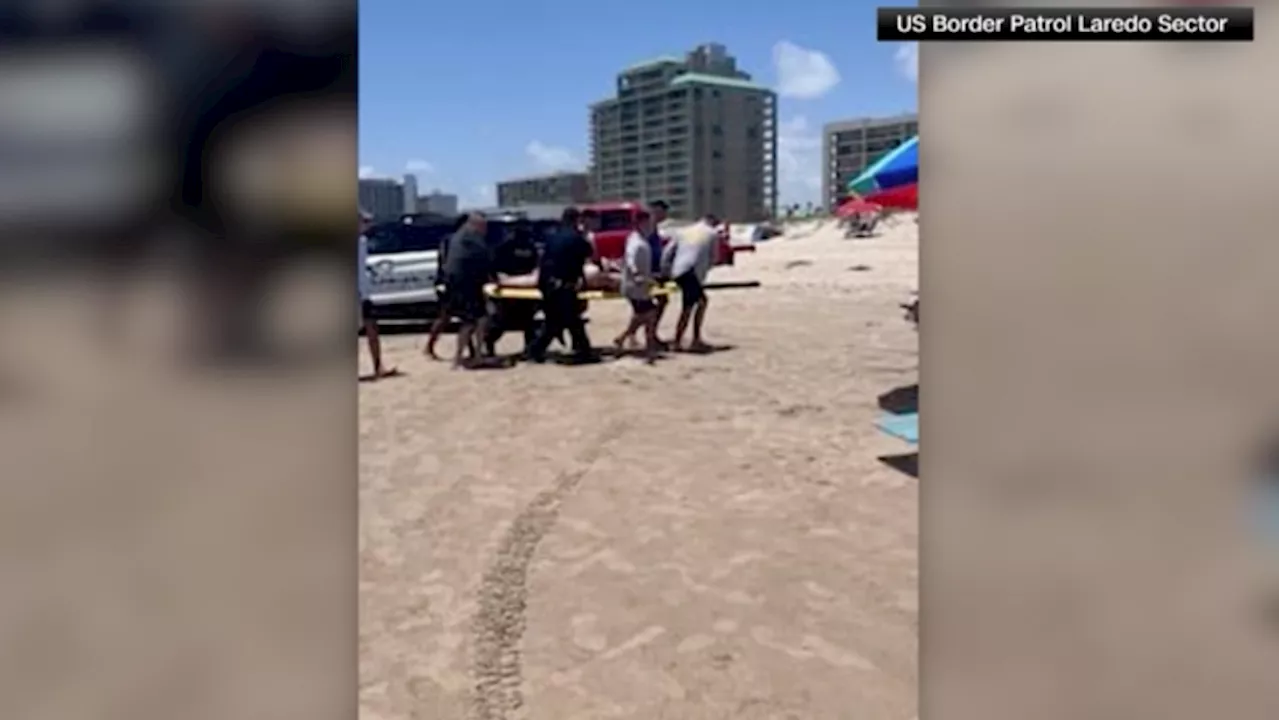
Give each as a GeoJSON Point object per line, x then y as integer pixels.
{"type": "Point", "coordinates": [177, 214]}
{"type": "Point", "coordinates": [177, 197]}
{"type": "Point", "coordinates": [1097, 233]}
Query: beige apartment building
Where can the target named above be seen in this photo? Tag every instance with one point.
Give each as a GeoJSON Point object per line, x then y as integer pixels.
{"type": "Point", "coordinates": [693, 131]}
{"type": "Point", "coordinates": [849, 146]}
{"type": "Point", "coordinates": [566, 188]}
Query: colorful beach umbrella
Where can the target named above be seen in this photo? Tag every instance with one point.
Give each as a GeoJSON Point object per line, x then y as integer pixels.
{"type": "Point", "coordinates": [891, 180]}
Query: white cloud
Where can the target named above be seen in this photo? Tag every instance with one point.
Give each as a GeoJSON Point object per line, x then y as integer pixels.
{"type": "Point", "coordinates": [907, 61]}
{"type": "Point", "coordinates": [479, 197]}
{"type": "Point", "coordinates": [803, 73]}
{"type": "Point", "coordinates": [367, 171]}
{"type": "Point", "coordinates": [419, 166]}
{"type": "Point", "coordinates": [799, 162]}
{"type": "Point", "coordinates": [550, 157]}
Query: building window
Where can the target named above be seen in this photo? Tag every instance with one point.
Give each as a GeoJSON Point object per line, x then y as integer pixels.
{"type": "Point", "coordinates": [717, 130]}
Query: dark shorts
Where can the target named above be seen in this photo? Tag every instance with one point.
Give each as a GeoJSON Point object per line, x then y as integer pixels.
{"type": "Point", "coordinates": [466, 301]}
{"type": "Point", "coordinates": [641, 307]}
{"type": "Point", "coordinates": [691, 291]}
{"type": "Point", "coordinates": [366, 310]}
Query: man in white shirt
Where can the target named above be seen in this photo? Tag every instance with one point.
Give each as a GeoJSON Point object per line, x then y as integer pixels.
{"type": "Point", "coordinates": [637, 287]}
{"type": "Point", "coordinates": [656, 239]}
{"type": "Point", "coordinates": [364, 287]}
{"type": "Point", "coordinates": [688, 258]}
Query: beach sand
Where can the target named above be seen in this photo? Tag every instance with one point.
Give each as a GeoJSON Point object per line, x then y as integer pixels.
{"type": "Point", "coordinates": [710, 537]}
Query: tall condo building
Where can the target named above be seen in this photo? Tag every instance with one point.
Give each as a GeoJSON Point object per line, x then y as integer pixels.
{"type": "Point", "coordinates": [410, 194]}
{"type": "Point", "coordinates": [382, 197]}
{"type": "Point", "coordinates": [693, 131]}
{"type": "Point", "coordinates": [438, 203]}
{"type": "Point", "coordinates": [850, 146]}
{"type": "Point", "coordinates": [564, 188]}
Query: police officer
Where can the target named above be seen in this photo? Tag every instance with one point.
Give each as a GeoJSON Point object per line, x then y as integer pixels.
{"type": "Point", "coordinates": [559, 278]}
{"type": "Point", "coordinates": [516, 253]}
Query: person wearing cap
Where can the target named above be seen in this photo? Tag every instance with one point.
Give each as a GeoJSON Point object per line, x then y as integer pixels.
{"type": "Point", "coordinates": [364, 288]}
{"type": "Point", "coordinates": [560, 275]}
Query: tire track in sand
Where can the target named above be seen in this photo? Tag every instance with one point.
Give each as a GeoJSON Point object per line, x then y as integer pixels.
{"type": "Point", "coordinates": [498, 626]}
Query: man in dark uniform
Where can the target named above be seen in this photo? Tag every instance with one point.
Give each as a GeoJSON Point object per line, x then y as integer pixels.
{"type": "Point", "coordinates": [468, 265]}
{"type": "Point", "coordinates": [515, 254]}
{"type": "Point", "coordinates": [442, 292]}
{"type": "Point", "coordinates": [559, 277]}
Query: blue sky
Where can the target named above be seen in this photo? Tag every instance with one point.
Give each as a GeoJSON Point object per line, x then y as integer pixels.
{"type": "Point", "coordinates": [467, 93]}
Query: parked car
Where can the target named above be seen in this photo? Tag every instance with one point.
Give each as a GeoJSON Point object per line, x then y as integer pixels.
{"type": "Point", "coordinates": [404, 261]}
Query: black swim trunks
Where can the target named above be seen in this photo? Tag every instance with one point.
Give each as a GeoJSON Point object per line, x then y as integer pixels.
{"type": "Point", "coordinates": [466, 301]}
{"type": "Point", "coordinates": [691, 290]}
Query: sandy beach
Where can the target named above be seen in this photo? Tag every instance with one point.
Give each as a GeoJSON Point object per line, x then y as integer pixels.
{"type": "Point", "coordinates": [710, 537]}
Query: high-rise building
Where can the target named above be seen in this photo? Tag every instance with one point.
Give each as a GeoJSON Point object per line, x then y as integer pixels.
{"type": "Point", "coordinates": [567, 188]}
{"type": "Point", "coordinates": [850, 146]}
{"type": "Point", "coordinates": [438, 203]}
{"type": "Point", "coordinates": [409, 193]}
{"type": "Point", "coordinates": [693, 131]}
{"type": "Point", "coordinates": [381, 197]}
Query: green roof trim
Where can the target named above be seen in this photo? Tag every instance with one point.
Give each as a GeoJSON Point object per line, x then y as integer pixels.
{"type": "Point", "coordinates": [716, 80]}
{"type": "Point", "coordinates": [664, 60]}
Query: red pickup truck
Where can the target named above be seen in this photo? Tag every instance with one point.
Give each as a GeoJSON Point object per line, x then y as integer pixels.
{"type": "Point", "coordinates": [616, 220]}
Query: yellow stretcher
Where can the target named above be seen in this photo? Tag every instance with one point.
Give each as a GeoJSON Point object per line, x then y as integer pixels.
{"type": "Point", "coordinates": [497, 292]}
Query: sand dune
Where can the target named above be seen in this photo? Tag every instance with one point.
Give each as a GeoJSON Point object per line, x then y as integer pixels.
{"type": "Point", "coordinates": [710, 537]}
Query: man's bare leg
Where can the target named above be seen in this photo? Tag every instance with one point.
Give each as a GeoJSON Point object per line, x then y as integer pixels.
{"type": "Point", "coordinates": [628, 337]}
{"type": "Point", "coordinates": [465, 332]}
{"type": "Point", "coordinates": [681, 325]}
{"type": "Point", "coordinates": [651, 345]}
{"type": "Point", "coordinates": [660, 302]}
{"type": "Point", "coordinates": [437, 327]}
{"type": "Point", "coordinates": [375, 349]}
{"type": "Point", "coordinates": [699, 315]}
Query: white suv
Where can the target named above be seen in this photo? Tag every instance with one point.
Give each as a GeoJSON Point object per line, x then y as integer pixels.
{"type": "Point", "coordinates": [404, 262]}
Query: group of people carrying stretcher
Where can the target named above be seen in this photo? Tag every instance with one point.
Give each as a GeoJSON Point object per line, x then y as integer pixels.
{"type": "Point", "coordinates": [493, 286]}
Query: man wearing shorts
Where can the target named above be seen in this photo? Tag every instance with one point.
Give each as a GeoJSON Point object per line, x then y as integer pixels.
{"type": "Point", "coordinates": [442, 292]}
{"type": "Point", "coordinates": [637, 287]}
{"type": "Point", "coordinates": [364, 287]}
{"type": "Point", "coordinates": [467, 267]}
{"type": "Point", "coordinates": [688, 258]}
{"type": "Point", "coordinates": [657, 241]}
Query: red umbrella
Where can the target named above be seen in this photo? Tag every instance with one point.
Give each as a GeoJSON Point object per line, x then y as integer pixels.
{"type": "Point", "coordinates": [856, 206]}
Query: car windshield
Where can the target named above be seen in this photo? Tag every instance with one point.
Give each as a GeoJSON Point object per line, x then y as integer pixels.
{"type": "Point", "coordinates": [391, 238]}
{"type": "Point", "coordinates": [615, 220]}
